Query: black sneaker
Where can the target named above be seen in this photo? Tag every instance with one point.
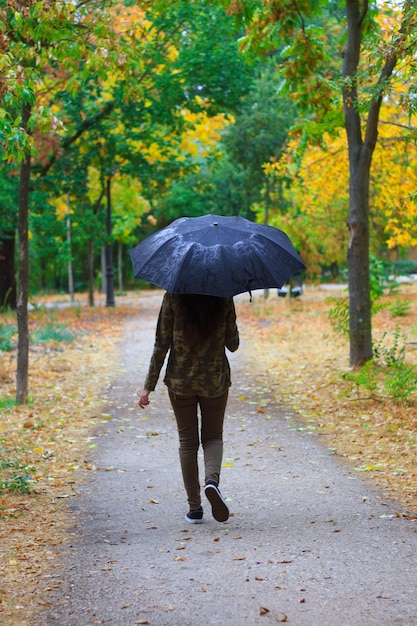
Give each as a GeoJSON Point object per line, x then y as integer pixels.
{"type": "Point", "coordinates": [219, 507]}
{"type": "Point", "coordinates": [195, 516]}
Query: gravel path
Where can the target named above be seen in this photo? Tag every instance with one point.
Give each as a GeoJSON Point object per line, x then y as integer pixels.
{"type": "Point", "coordinates": [309, 541]}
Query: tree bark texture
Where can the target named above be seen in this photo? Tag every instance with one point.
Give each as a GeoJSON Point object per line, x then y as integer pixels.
{"type": "Point", "coordinates": [110, 301]}
{"type": "Point", "coordinates": [90, 249]}
{"type": "Point", "coordinates": [360, 323]}
{"type": "Point", "coordinates": [22, 372]}
{"type": "Point", "coordinates": [120, 266]}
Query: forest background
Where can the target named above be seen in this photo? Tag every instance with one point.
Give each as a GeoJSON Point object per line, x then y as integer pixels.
{"type": "Point", "coordinates": [153, 112]}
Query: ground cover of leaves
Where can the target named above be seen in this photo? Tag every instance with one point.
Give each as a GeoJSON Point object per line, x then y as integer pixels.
{"type": "Point", "coordinates": [50, 437]}
{"type": "Point", "coordinates": [296, 355]}
{"type": "Point", "coordinates": [303, 360]}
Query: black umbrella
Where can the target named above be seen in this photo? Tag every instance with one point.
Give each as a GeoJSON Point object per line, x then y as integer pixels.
{"type": "Point", "coordinates": [216, 255]}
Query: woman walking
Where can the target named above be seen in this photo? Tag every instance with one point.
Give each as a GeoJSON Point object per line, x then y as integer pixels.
{"type": "Point", "coordinates": [196, 329]}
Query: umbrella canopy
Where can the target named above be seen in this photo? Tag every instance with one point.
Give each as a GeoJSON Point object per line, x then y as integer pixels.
{"type": "Point", "coordinates": [216, 255]}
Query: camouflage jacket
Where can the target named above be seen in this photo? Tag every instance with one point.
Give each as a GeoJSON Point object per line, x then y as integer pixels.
{"type": "Point", "coordinates": [206, 371]}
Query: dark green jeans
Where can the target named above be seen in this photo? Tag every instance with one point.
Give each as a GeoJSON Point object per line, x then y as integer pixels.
{"type": "Point", "coordinates": [212, 417]}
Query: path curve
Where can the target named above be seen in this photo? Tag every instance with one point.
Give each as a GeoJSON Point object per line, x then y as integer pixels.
{"type": "Point", "coordinates": [309, 542]}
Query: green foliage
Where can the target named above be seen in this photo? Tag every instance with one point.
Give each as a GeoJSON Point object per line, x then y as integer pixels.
{"type": "Point", "coordinates": [7, 331]}
{"type": "Point", "coordinates": [15, 476]}
{"type": "Point", "coordinates": [235, 182]}
{"type": "Point", "coordinates": [387, 355]}
{"type": "Point", "coordinates": [364, 377]}
{"type": "Point", "coordinates": [387, 373]}
{"type": "Point", "coordinates": [210, 64]}
{"type": "Point", "coordinates": [339, 315]}
{"type": "Point", "coordinates": [400, 308]}
{"type": "Point", "coordinates": [401, 381]}
{"type": "Point", "coordinates": [379, 280]}
{"type": "Point", "coordinates": [53, 333]}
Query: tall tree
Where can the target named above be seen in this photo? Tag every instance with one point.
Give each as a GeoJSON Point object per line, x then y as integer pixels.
{"type": "Point", "coordinates": [373, 40]}
{"type": "Point", "coordinates": [43, 42]}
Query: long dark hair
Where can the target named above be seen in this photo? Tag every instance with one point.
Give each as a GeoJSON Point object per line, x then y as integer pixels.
{"type": "Point", "coordinates": [200, 316]}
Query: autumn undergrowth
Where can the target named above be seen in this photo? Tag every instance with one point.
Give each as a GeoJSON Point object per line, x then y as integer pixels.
{"type": "Point", "coordinates": [367, 416]}
{"type": "Point", "coordinates": [52, 333]}
{"type": "Point", "coordinates": [72, 357]}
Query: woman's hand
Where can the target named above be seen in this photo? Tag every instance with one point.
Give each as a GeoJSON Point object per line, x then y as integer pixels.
{"type": "Point", "coordinates": [143, 398]}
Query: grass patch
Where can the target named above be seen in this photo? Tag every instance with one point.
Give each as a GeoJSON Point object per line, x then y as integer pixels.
{"type": "Point", "coordinates": [7, 403]}
{"type": "Point", "coordinates": [53, 333]}
{"type": "Point", "coordinates": [7, 332]}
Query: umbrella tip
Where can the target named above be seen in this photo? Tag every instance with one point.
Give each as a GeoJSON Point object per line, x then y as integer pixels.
{"type": "Point", "coordinates": [215, 223]}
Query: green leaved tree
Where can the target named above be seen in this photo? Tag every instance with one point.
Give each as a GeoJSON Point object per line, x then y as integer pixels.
{"type": "Point", "coordinates": [44, 46]}
{"type": "Point", "coordinates": [339, 60]}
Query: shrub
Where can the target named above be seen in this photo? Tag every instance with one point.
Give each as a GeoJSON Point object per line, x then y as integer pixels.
{"type": "Point", "coordinates": [15, 476]}
{"type": "Point", "coordinates": [387, 372]}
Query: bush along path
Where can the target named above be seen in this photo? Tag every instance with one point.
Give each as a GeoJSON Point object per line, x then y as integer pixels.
{"type": "Point", "coordinates": [309, 541]}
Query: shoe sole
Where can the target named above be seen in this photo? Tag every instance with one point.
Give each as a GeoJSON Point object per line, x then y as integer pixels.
{"type": "Point", "coordinates": [219, 507]}
{"type": "Point", "coordinates": [193, 521]}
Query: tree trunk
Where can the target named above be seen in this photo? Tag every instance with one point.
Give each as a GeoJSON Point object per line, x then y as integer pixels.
{"type": "Point", "coordinates": [109, 250]}
{"type": "Point", "coordinates": [22, 373]}
{"type": "Point", "coordinates": [103, 269]}
{"type": "Point", "coordinates": [7, 271]}
{"type": "Point", "coordinates": [120, 266]}
{"type": "Point", "coordinates": [360, 323]}
{"type": "Point", "coordinates": [361, 150]}
{"type": "Point", "coordinates": [69, 243]}
{"type": "Point", "coordinates": [360, 156]}
{"type": "Point", "coordinates": [91, 273]}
